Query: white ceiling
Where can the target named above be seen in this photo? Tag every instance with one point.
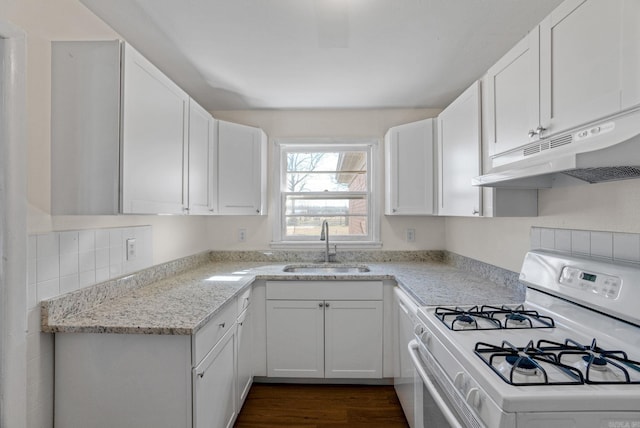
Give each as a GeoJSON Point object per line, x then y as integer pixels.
{"type": "Point", "coordinates": [299, 54]}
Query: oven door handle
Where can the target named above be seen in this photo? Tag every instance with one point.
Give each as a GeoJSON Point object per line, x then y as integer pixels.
{"type": "Point", "coordinates": [442, 405]}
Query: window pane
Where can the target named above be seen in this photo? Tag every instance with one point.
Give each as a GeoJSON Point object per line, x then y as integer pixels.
{"type": "Point", "coordinates": [348, 206]}
{"type": "Point", "coordinates": [339, 226]}
{"type": "Point", "coordinates": [326, 171]}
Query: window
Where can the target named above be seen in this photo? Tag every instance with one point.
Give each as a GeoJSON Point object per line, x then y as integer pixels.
{"type": "Point", "coordinates": [326, 181]}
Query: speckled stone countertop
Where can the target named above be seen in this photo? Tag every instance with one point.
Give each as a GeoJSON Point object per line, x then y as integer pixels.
{"type": "Point", "coordinates": [182, 299]}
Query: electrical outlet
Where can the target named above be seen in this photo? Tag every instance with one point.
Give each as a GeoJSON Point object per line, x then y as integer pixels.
{"type": "Point", "coordinates": [131, 249]}
{"type": "Point", "coordinates": [242, 234]}
{"type": "Point", "coordinates": [411, 235]}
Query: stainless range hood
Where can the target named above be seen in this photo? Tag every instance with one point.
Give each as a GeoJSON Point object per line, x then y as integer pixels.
{"type": "Point", "coordinates": [607, 150]}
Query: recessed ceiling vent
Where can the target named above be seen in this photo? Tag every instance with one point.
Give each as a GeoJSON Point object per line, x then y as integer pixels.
{"type": "Point", "coordinates": [603, 174]}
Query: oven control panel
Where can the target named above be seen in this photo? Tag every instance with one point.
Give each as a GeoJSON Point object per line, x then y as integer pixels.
{"type": "Point", "coordinates": [606, 286]}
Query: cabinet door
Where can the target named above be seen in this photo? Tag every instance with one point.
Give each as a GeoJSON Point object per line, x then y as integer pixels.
{"type": "Point", "coordinates": [202, 177]}
{"type": "Point", "coordinates": [459, 155]}
{"type": "Point", "coordinates": [631, 54]}
{"type": "Point", "coordinates": [245, 354]}
{"type": "Point", "coordinates": [214, 386]}
{"type": "Point", "coordinates": [353, 339]}
{"type": "Point", "coordinates": [581, 59]}
{"type": "Point", "coordinates": [295, 338]}
{"type": "Point", "coordinates": [409, 174]}
{"type": "Point", "coordinates": [513, 90]}
{"type": "Point", "coordinates": [154, 136]}
{"type": "Point", "coordinates": [241, 169]}
{"type": "Point", "coordinates": [85, 128]}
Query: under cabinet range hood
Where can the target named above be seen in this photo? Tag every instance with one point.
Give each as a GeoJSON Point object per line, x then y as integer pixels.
{"type": "Point", "coordinates": [607, 150]}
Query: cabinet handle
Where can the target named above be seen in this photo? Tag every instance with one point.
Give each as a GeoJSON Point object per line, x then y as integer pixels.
{"type": "Point", "coordinates": [538, 131]}
{"type": "Point", "coordinates": [326, 305]}
{"type": "Point", "coordinates": [222, 324]}
{"type": "Point", "coordinates": [320, 304]}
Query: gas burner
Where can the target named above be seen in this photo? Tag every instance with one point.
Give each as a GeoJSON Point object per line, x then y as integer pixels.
{"type": "Point", "coordinates": [519, 317]}
{"type": "Point", "coordinates": [466, 319]}
{"type": "Point", "coordinates": [528, 365]}
{"type": "Point", "coordinates": [596, 363]}
{"type": "Point", "coordinates": [600, 366]}
{"type": "Point", "coordinates": [522, 365]}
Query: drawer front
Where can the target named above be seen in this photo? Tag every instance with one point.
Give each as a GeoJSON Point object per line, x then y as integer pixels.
{"type": "Point", "coordinates": [212, 332]}
{"type": "Point", "coordinates": [324, 290]}
{"type": "Point", "coordinates": [244, 300]}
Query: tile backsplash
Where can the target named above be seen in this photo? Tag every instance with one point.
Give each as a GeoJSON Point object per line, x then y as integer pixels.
{"type": "Point", "coordinates": [618, 246]}
{"type": "Point", "coordinates": [59, 262]}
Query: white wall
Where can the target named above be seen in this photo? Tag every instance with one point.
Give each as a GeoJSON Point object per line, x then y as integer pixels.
{"type": "Point", "coordinates": [327, 123]}
{"type": "Point", "coordinates": [611, 207]}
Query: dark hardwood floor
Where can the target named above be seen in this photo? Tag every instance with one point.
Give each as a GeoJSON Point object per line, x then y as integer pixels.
{"type": "Point", "coordinates": [321, 406]}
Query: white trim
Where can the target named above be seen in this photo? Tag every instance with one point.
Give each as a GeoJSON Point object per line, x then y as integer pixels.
{"type": "Point", "coordinates": [304, 143]}
{"type": "Point", "coordinates": [13, 227]}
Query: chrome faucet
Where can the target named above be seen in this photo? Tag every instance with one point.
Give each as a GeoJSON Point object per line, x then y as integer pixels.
{"type": "Point", "coordinates": [324, 236]}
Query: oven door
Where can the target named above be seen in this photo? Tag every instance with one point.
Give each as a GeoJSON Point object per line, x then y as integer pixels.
{"type": "Point", "coordinates": [436, 408]}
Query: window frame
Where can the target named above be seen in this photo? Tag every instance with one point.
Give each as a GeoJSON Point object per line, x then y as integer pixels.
{"type": "Point", "coordinates": [279, 192]}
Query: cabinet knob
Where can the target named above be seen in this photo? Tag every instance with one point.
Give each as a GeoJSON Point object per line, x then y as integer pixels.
{"type": "Point", "coordinates": [326, 305]}
{"type": "Point", "coordinates": [538, 131]}
{"type": "Point", "coordinates": [201, 375]}
{"type": "Point", "coordinates": [394, 210]}
{"type": "Point", "coordinates": [222, 324]}
{"type": "Point", "coordinates": [258, 211]}
{"type": "Point", "coordinates": [320, 304]}
{"type": "Point", "coordinates": [475, 212]}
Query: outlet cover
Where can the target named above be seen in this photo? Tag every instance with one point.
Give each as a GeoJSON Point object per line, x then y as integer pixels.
{"type": "Point", "coordinates": [131, 249]}
{"type": "Point", "coordinates": [411, 235]}
{"type": "Point", "coordinates": [242, 234]}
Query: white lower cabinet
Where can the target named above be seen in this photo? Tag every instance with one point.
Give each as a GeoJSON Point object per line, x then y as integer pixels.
{"type": "Point", "coordinates": [353, 339]}
{"type": "Point", "coordinates": [214, 385]}
{"type": "Point", "coordinates": [324, 329]}
{"type": "Point", "coordinates": [154, 380]}
{"type": "Point", "coordinates": [245, 343]}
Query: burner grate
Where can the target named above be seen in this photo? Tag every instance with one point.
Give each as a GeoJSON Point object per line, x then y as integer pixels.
{"type": "Point", "coordinates": [553, 363]}
{"type": "Point", "coordinates": [492, 318]}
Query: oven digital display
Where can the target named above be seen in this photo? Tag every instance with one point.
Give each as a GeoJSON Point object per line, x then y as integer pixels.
{"type": "Point", "coordinates": [588, 276]}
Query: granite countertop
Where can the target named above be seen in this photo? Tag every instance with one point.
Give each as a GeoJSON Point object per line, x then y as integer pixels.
{"type": "Point", "coordinates": [185, 302]}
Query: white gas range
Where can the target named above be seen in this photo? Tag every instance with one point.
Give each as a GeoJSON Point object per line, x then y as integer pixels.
{"type": "Point", "coordinates": [567, 357]}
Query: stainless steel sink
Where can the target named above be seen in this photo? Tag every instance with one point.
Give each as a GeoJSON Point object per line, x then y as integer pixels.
{"type": "Point", "coordinates": [326, 268]}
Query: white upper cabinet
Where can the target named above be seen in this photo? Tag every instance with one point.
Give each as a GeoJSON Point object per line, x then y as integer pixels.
{"type": "Point", "coordinates": [459, 155]}
{"type": "Point", "coordinates": [513, 96]}
{"type": "Point", "coordinates": [202, 163]}
{"type": "Point", "coordinates": [581, 61]}
{"type": "Point", "coordinates": [119, 132]}
{"type": "Point", "coordinates": [409, 169]}
{"type": "Point", "coordinates": [155, 115]}
{"type": "Point", "coordinates": [242, 168]}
